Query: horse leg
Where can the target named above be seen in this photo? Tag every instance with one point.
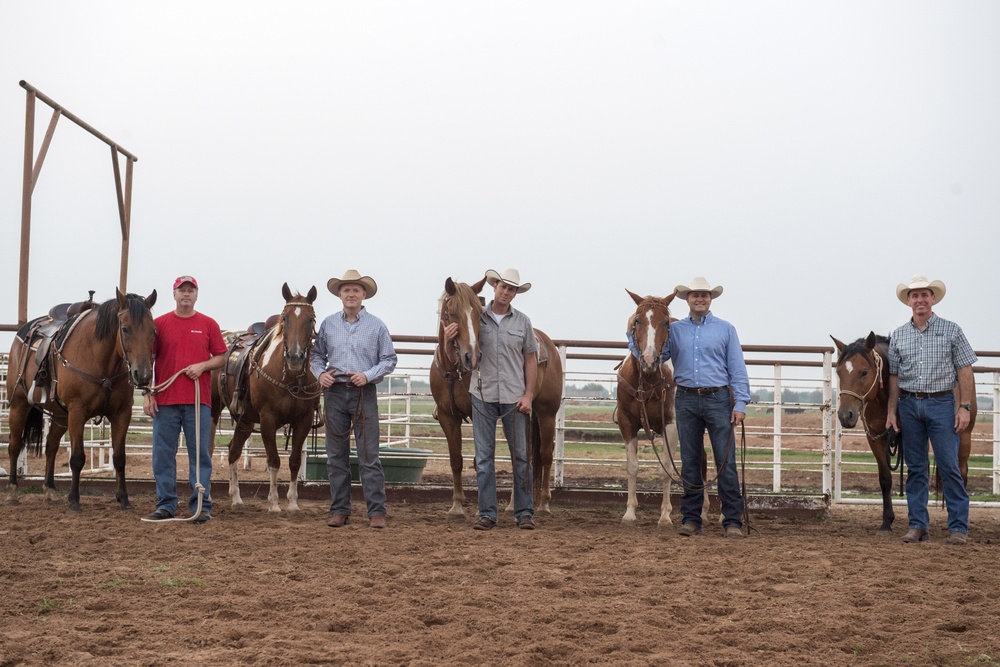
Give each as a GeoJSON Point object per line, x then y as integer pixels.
{"type": "Point", "coordinates": [452, 428]}
{"type": "Point", "coordinates": [119, 429]}
{"type": "Point", "coordinates": [704, 491]}
{"type": "Point", "coordinates": [543, 431]}
{"type": "Point", "coordinates": [632, 469]}
{"type": "Point", "coordinates": [885, 485]}
{"type": "Point", "coordinates": [670, 438]}
{"type": "Point", "coordinates": [299, 433]}
{"type": "Point", "coordinates": [964, 449]}
{"type": "Point", "coordinates": [268, 434]}
{"type": "Point", "coordinates": [56, 431]}
{"type": "Point", "coordinates": [17, 423]}
{"type": "Point", "coordinates": [240, 434]}
{"type": "Point", "coordinates": [75, 425]}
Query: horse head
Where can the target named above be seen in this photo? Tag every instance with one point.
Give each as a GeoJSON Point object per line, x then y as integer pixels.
{"type": "Point", "coordinates": [297, 327]}
{"type": "Point", "coordinates": [460, 304]}
{"type": "Point", "coordinates": [650, 327]}
{"type": "Point", "coordinates": [136, 335]}
{"type": "Point", "coordinates": [860, 371]}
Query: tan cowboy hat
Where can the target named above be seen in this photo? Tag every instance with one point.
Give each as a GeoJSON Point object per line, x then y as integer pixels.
{"type": "Point", "coordinates": [510, 277]}
{"type": "Point", "coordinates": [920, 282]}
{"type": "Point", "coordinates": [352, 276]}
{"type": "Point", "coordinates": [698, 284]}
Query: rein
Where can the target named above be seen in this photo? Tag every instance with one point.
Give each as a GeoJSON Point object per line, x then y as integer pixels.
{"type": "Point", "coordinates": [197, 436]}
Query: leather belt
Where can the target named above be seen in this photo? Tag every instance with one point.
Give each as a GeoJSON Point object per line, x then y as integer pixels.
{"type": "Point", "coordinates": [701, 391]}
{"type": "Point", "coordinates": [925, 394]}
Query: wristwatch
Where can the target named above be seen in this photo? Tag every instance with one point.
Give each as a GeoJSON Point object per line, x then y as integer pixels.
{"type": "Point", "coordinates": [966, 406]}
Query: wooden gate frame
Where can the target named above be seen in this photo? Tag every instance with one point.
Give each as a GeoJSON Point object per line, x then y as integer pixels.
{"type": "Point", "coordinates": [32, 167]}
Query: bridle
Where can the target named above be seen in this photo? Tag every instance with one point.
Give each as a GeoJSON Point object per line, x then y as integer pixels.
{"type": "Point", "coordinates": [863, 398]}
{"type": "Point", "coordinates": [295, 389]}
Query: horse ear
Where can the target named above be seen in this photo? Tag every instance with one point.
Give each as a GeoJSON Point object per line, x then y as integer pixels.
{"type": "Point", "coordinates": [840, 346]}
{"type": "Point", "coordinates": [449, 286]}
{"type": "Point", "coordinates": [635, 297]}
{"type": "Point", "coordinates": [478, 287]}
{"type": "Point", "coordinates": [669, 298]}
{"type": "Point", "coordinates": [150, 300]}
{"type": "Point", "coordinates": [122, 301]}
{"type": "Point", "coordinates": [312, 294]}
{"type": "Point", "coordinates": [870, 341]}
{"type": "Point", "coordinates": [285, 292]}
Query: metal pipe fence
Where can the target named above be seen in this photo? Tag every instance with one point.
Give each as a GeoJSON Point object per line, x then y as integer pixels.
{"type": "Point", "coordinates": [793, 445]}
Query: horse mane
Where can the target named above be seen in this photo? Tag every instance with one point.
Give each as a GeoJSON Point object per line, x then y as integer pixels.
{"type": "Point", "coordinates": [859, 347]}
{"type": "Point", "coordinates": [107, 315]}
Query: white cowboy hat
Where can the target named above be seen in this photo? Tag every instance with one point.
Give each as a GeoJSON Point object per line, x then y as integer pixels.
{"type": "Point", "coordinates": [920, 282]}
{"type": "Point", "coordinates": [352, 276]}
{"type": "Point", "coordinates": [698, 284]}
{"type": "Point", "coordinates": [510, 277]}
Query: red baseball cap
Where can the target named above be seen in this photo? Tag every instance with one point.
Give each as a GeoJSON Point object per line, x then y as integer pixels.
{"type": "Point", "coordinates": [185, 279]}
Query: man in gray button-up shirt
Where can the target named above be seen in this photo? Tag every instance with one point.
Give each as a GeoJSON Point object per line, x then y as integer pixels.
{"type": "Point", "coordinates": [503, 387]}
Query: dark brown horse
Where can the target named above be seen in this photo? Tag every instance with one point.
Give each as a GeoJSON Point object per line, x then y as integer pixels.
{"type": "Point", "coordinates": [863, 372]}
{"type": "Point", "coordinates": [450, 386]}
{"type": "Point", "coordinates": [646, 398]}
{"type": "Point", "coordinates": [94, 363]}
{"type": "Point", "coordinates": [279, 390]}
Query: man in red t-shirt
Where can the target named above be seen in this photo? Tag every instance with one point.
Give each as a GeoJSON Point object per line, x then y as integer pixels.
{"type": "Point", "coordinates": [190, 344]}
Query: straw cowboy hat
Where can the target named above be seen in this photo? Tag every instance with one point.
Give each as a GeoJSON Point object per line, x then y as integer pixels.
{"type": "Point", "coordinates": [352, 276]}
{"type": "Point", "coordinates": [920, 282]}
{"type": "Point", "coordinates": [698, 284]}
{"type": "Point", "coordinates": [510, 277]}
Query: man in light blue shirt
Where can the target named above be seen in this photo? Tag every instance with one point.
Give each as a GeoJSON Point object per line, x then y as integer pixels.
{"type": "Point", "coordinates": [353, 352]}
{"type": "Point", "coordinates": [713, 390]}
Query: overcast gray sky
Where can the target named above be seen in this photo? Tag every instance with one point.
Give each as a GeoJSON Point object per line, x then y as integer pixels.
{"type": "Point", "coordinates": [807, 156]}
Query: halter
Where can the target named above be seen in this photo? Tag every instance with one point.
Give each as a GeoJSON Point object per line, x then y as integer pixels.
{"type": "Point", "coordinates": [877, 380]}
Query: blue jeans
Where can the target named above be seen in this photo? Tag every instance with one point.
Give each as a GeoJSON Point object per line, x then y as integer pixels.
{"type": "Point", "coordinates": [167, 426]}
{"type": "Point", "coordinates": [934, 418]}
{"type": "Point", "coordinates": [695, 415]}
{"type": "Point", "coordinates": [342, 403]}
{"type": "Point", "coordinates": [484, 432]}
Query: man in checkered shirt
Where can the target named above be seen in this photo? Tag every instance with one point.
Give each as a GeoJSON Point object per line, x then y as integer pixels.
{"type": "Point", "coordinates": [928, 356]}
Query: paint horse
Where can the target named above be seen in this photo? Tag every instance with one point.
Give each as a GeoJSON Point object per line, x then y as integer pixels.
{"type": "Point", "coordinates": [269, 383]}
{"type": "Point", "coordinates": [450, 386]}
{"type": "Point", "coordinates": [646, 399]}
{"type": "Point", "coordinates": [83, 367]}
{"type": "Point", "coordinates": [863, 372]}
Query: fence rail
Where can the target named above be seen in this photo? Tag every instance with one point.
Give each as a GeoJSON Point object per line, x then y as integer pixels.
{"type": "Point", "coordinates": [787, 439]}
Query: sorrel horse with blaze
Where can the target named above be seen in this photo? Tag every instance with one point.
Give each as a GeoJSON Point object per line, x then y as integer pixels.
{"type": "Point", "coordinates": [646, 398]}
{"type": "Point", "coordinates": [450, 386]}
{"type": "Point", "coordinates": [93, 365]}
{"type": "Point", "coordinates": [863, 373]}
{"type": "Point", "coordinates": [280, 390]}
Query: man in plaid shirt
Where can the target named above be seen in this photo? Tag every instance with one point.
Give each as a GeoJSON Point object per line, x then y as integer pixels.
{"type": "Point", "coordinates": [927, 357]}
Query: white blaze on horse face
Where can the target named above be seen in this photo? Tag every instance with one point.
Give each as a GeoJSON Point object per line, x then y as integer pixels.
{"type": "Point", "coordinates": [849, 367]}
{"type": "Point", "coordinates": [472, 332]}
{"type": "Point", "coordinates": [275, 342]}
{"type": "Point", "coordinates": [650, 355]}
{"type": "Point", "coordinates": [298, 311]}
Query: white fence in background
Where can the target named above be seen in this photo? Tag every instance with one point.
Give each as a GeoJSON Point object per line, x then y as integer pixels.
{"type": "Point", "coordinates": [801, 369]}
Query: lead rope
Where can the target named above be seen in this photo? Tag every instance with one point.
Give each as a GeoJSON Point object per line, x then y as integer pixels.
{"type": "Point", "coordinates": [197, 439]}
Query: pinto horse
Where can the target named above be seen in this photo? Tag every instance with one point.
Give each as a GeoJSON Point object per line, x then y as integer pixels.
{"type": "Point", "coordinates": [90, 366]}
{"type": "Point", "coordinates": [450, 386]}
{"type": "Point", "coordinates": [646, 397]}
{"type": "Point", "coordinates": [863, 372]}
{"type": "Point", "coordinates": [280, 390]}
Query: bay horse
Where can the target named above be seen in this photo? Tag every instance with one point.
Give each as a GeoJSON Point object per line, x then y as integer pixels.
{"type": "Point", "coordinates": [280, 390]}
{"type": "Point", "coordinates": [646, 398]}
{"type": "Point", "coordinates": [863, 373]}
{"type": "Point", "coordinates": [450, 386]}
{"type": "Point", "coordinates": [91, 365]}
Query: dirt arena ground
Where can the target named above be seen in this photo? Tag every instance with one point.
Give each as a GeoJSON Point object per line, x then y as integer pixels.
{"type": "Point", "coordinates": [104, 588]}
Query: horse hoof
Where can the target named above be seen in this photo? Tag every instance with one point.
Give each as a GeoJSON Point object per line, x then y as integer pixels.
{"type": "Point", "coordinates": [274, 509]}
{"type": "Point", "coordinates": [75, 507]}
{"type": "Point", "coordinates": [125, 506]}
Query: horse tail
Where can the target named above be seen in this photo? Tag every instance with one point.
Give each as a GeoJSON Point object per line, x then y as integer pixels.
{"type": "Point", "coordinates": [34, 427]}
